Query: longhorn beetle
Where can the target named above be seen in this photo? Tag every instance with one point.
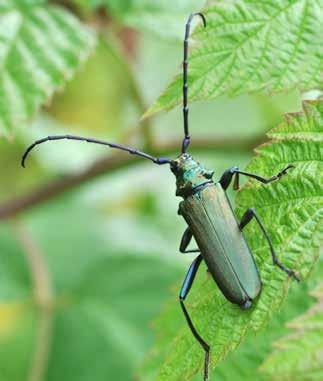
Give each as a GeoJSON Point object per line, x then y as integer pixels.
{"type": "Point", "coordinates": [209, 216]}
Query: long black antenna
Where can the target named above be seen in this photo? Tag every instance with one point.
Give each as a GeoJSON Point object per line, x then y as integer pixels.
{"type": "Point", "coordinates": [133, 151]}
{"type": "Point", "coordinates": [186, 140]}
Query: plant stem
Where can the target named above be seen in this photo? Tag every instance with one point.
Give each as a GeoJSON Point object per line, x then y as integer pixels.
{"type": "Point", "coordinates": [43, 296]}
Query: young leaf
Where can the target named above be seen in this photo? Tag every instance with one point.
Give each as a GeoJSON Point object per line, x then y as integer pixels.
{"type": "Point", "coordinates": [291, 210]}
{"type": "Point", "coordinates": [299, 355]}
{"type": "Point", "coordinates": [41, 46]}
{"type": "Point", "coordinates": [250, 46]}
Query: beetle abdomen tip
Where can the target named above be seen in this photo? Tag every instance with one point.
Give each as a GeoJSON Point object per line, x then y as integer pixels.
{"type": "Point", "coordinates": [246, 305]}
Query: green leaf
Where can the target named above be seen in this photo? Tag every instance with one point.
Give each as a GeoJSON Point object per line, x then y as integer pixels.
{"type": "Point", "coordinates": [252, 46]}
{"type": "Point", "coordinates": [41, 46]}
{"type": "Point", "coordinates": [243, 364]}
{"type": "Point", "coordinates": [291, 210]}
{"type": "Point", "coordinates": [298, 356]}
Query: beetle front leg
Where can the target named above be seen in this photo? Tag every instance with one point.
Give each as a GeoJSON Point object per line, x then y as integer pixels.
{"type": "Point", "coordinates": [187, 284]}
{"type": "Point", "coordinates": [185, 241]}
{"type": "Point", "coordinates": [226, 178]}
{"type": "Point", "coordinates": [246, 218]}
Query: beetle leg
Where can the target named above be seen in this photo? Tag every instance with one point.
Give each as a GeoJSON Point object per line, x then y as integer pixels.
{"type": "Point", "coordinates": [226, 178]}
{"type": "Point", "coordinates": [246, 218]}
{"type": "Point", "coordinates": [185, 241]}
{"type": "Point", "coordinates": [187, 284]}
{"type": "Point", "coordinates": [228, 174]}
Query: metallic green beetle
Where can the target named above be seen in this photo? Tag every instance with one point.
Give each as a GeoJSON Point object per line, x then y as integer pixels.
{"type": "Point", "coordinates": [210, 219]}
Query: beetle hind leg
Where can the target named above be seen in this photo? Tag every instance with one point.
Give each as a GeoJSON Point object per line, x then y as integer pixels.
{"type": "Point", "coordinates": [246, 218]}
{"type": "Point", "coordinates": [234, 171]}
{"type": "Point", "coordinates": [187, 284]}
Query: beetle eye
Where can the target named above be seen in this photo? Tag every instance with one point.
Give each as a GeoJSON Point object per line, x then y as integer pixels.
{"type": "Point", "coordinates": [209, 174]}
{"type": "Point", "coordinates": [174, 165]}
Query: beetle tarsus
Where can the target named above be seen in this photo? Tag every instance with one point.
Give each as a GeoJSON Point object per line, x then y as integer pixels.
{"type": "Point", "coordinates": [295, 276]}
{"type": "Point", "coordinates": [206, 364]}
{"type": "Point", "coordinates": [289, 272]}
{"type": "Point", "coordinates": [227, 176]}
{"type": "Point", "coordinates": [284, 171]}
{"type": "Point", "coordinates": [201, 341]}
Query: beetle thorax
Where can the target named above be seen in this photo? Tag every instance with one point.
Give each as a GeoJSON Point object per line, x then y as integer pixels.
{"type": "Point", "coordinates": [189, 175]}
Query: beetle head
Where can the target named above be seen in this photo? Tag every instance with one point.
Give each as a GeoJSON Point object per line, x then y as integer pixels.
{"type": "Point", "coordinates": [189, 174]}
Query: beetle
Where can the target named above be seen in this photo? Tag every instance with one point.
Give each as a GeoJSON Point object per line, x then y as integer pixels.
{"type": "Point", "coordinates": [209, 217]}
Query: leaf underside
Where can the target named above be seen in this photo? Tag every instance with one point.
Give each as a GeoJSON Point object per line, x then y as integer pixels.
{"type": "Point", "coordinates": [252, 46]}
{"type": "Point", "coordinates": [291, 210]}
{"type": "Point", "coordinates": [41, 46]}
{"type": "Point", "coordinates": [299, 355]}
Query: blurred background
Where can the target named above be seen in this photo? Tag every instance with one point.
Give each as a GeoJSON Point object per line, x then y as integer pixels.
{"type": "Point", "coordinates": [92, 256]}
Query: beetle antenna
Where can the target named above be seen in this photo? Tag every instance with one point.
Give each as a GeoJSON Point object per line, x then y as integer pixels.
{"type": "Point", "coordinates": [133, 151]}
{"type": "Point", "coordinates": [186, 140]}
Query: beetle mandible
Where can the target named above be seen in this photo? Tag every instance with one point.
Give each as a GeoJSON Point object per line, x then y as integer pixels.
{"type": "Point", "coordinates": [209, 216]}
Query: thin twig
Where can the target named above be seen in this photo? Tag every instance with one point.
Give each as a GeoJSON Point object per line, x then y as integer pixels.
{"type": "Point", "coordinates": [112, 163]}
{"type": "Point", "coordinates": [43, 295]}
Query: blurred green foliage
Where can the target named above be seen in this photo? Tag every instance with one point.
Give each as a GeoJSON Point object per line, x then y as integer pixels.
{"type": "Point", "coordinates": [110, 246]}
{"type": "Point", "coordinates": [160, 17]}
{"type": "Point", "coordinates": [297, 355]}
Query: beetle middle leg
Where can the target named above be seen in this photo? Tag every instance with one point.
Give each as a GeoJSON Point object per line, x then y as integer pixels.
{"type": "Point", "coordinates": [185, 241]}
{"type": "Point", "coordinates": [227, 176]}
{"type": "Point", "coordinates": [246, 218]}
{"type": "Point", "coordinates": [187, 284]}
